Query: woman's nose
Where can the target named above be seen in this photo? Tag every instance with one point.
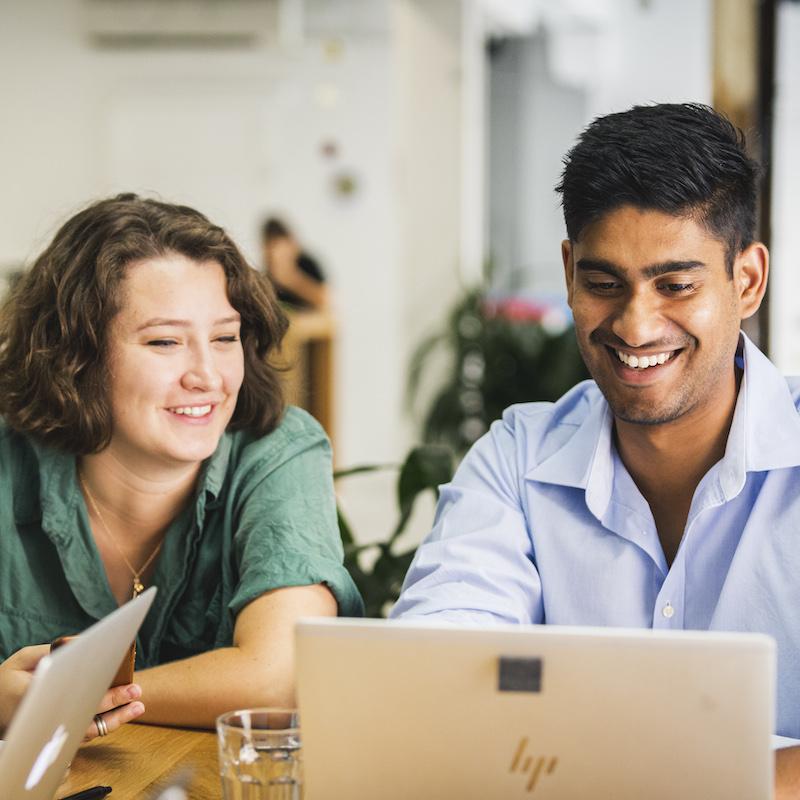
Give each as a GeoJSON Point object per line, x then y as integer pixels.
{"type": "Point", "coordinates": [201, 373]}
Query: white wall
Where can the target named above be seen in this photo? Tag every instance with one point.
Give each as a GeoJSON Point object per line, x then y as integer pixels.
{"type": "Point", "coordinates": [655, 51]}
{"type": "Point", "coordinates": [235, 131]}
{"type": "Point", "coordinates": [533, 121]}
{"type": "Point", "coordinates": [784, 271]}
{"type": "Point", "coordinates": [428, 86]}
{"type": "Point", "coordinates": [548, 86]}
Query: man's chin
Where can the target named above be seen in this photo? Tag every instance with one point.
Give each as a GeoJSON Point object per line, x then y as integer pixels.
{"type": "Point", "coordinates": [640, 415]}
{"type": "Point", "coordinates": [651, 421]}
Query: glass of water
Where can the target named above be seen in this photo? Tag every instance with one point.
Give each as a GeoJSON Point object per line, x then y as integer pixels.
{"type": "Point", "coordinates": [259, 754]}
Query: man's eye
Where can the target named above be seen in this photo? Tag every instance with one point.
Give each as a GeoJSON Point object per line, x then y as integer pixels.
{"type": "Point", "coordinates": [679, 288]}
{"type": "Point", "coordinates": [602, 286]}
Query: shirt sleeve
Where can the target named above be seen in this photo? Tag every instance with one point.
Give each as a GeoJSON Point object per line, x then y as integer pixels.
{"type": "Point", "coordinates": [477, 563]}
{"type": "Point", "coordinates": [286, 532]}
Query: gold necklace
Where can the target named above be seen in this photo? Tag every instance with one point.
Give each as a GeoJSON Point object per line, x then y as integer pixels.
{"type": "Point", "coordinates": [138, 586]}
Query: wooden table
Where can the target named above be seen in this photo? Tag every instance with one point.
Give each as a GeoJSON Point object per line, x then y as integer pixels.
{"type": "Point", "coordinates": [138, 761]}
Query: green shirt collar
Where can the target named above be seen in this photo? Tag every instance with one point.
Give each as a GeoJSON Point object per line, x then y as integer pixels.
{"type": "Point", "coordinates": [59, 493]}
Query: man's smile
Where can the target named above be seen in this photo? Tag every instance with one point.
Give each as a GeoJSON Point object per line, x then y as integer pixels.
{"type": "Point", "coordinates": [644, 361]}
{"type": "Point", "coordinates": [642, 368]}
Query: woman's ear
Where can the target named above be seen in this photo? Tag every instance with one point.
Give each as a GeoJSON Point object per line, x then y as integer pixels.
{"type": "Point", "coordinates": [750, 272]}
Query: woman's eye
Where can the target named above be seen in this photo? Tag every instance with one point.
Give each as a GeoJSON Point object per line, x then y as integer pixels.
{"type": "Point", "coordinates": [228, 339]}
{"type": "Point", "coordinates": [161, 342]}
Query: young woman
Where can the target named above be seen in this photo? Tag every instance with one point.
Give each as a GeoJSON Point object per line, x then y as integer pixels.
{"type": "Point", "coordinates": [144, 442]}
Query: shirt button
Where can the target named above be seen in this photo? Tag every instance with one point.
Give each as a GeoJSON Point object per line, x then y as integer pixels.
{"type": "Point", "coordinates": [668, 611]}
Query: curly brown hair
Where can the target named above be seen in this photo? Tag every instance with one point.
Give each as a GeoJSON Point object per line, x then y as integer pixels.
{"type": "Point", "coordinates": [54, 324]}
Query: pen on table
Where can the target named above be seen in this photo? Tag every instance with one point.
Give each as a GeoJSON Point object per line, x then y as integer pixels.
{"type": "Point", "coordinates": [95, 793]}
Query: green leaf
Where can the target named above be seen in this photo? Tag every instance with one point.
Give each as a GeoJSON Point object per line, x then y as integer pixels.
{"type": "Point", "coordinates": [416, 365]}
{"type": "Point", "coordinates": [425, 468]}
{"type": "Point", "coordinates": [346, 473]}
{"type": "Point", "coordinates": [345, 531]}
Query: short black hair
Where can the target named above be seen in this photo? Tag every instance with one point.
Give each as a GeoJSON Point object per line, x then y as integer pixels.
{"type": "Point", "coordinates": [273, 228]}
{"type": "Point", "coordinates": [684, 159]}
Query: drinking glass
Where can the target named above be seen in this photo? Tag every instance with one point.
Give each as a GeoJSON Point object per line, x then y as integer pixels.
{"type": "Point", "coordinates": [259, 754]}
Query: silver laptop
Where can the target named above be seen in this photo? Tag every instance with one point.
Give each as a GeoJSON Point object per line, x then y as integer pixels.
{"type": "Point", "coordinates": [63, 696]}
{"type": "Point", "coordinates": [401, 710]}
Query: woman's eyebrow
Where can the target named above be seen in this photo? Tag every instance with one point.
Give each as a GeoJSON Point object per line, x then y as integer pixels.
{"type": "Point", "coordinates": [164, 322]}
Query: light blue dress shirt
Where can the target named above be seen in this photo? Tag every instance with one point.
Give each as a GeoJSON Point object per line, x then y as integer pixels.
{"type": "Point", "coordinates": [542, 523]}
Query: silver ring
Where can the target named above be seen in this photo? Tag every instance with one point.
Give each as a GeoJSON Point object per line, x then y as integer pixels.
{"type": "Point", "coordinates": [102, 728]}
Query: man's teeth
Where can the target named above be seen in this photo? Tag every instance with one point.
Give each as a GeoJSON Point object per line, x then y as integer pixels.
{"type": "Point", "coordinates": [192, 411]}
{"type": "Point", "coordinates": [643, 362]}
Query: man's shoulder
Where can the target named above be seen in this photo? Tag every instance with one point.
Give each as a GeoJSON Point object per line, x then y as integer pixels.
{"type": "Point", "coordinates": [540, 419]}
{"type": "Point", "coordinates": [533, 432]}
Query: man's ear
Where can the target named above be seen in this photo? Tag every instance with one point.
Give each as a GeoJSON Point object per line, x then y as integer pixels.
{"type": "Point", "coordinates": [750, 272]}
{"type": "Point", "coordinates": [569, 267]}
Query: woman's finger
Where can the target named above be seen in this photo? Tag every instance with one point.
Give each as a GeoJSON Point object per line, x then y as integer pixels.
{"type": "Point", "coordinates": [116, 717]}
{"type": "Point", "coordinates": [28, 657]}
{"type": "Point", "coordinates": [119, 696]}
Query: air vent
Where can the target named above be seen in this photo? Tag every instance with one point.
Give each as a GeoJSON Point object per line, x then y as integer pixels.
{"type": "Point", "coordinates": [179, 23]}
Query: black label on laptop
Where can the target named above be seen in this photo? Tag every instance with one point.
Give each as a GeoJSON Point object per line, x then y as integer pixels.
{"type": "Point", "coordinates": [519, 674]}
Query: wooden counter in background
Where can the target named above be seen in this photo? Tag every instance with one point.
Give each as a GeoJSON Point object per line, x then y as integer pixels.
{"type": "Point", "coordinates": [308, 352]}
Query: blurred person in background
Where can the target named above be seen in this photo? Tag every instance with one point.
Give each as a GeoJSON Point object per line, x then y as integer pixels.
{"type": "Point", "coordinates": [298, 278]}
{"type": "Point", "coordinates": [145, 441]}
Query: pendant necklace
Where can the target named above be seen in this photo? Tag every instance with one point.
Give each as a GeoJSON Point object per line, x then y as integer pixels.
{"type": "Point", "coordinates": [137, 587]}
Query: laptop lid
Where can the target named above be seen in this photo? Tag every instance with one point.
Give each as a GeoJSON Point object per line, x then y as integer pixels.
{"type": "Point", "coordinates": [63, 696]}
{"type": "Point", "coordinates": [399, 709]}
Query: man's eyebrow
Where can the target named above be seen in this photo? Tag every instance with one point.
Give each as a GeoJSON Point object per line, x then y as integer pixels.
{"type": "Point", "coordinates": [164, 322]}
{"type": "Point", "coordinates": [650, 271]}
{"type": "Point", "coordinates": [597, 265]}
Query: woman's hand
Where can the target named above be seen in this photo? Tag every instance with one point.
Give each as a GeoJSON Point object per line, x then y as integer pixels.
{"type": "Point", "coordinates": [16, 673]}
{"type": "Point", "coordinates": [118, 706]}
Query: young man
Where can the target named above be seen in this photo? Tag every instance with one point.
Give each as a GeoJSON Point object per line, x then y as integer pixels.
{"type": "Point", "coordinates": [666, 492]}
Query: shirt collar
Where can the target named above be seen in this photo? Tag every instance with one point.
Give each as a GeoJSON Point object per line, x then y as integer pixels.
{"type": "Point", "coordinates": [211, 478]}
{"type": "Point", "coordinates": [213, 475]}
{"type": "Point", "coordinates": [585, 459]}
{"type": "Point", "coordinates": [59, 491]}
{"type": "Point", "coordinates": [764, 435]}
{"type": "Point", "coordinates": [588, 446]}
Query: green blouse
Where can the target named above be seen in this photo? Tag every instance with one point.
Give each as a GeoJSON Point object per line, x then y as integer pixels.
{"type": "Point", "coordinates": [263, 517]}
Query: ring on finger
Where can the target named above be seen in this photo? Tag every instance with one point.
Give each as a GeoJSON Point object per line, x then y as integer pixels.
{"type": "Point", "coordinates": [102, 728]}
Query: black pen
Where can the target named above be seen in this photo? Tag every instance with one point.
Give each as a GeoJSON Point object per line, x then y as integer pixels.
{"type": "Point", "coordinates": [95, 793]}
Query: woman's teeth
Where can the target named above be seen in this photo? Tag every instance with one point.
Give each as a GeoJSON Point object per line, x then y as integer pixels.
{"type": "Point", "coordinates": [643, 362]}
{"type": "Point", "coordinates": [192, 411]}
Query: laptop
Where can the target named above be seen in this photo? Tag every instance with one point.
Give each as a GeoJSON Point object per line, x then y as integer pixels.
{"type": "Point", "coordinates": [50, 722]}
{"type": "Point", "coordinates": [429, 711]}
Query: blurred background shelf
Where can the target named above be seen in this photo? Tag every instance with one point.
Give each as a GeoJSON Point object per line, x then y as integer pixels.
{"type": "Point", "coordinates": [309, 354]}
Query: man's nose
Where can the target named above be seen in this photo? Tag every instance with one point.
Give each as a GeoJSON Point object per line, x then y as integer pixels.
{"type": "Point", "coordinates": [638, 320]}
